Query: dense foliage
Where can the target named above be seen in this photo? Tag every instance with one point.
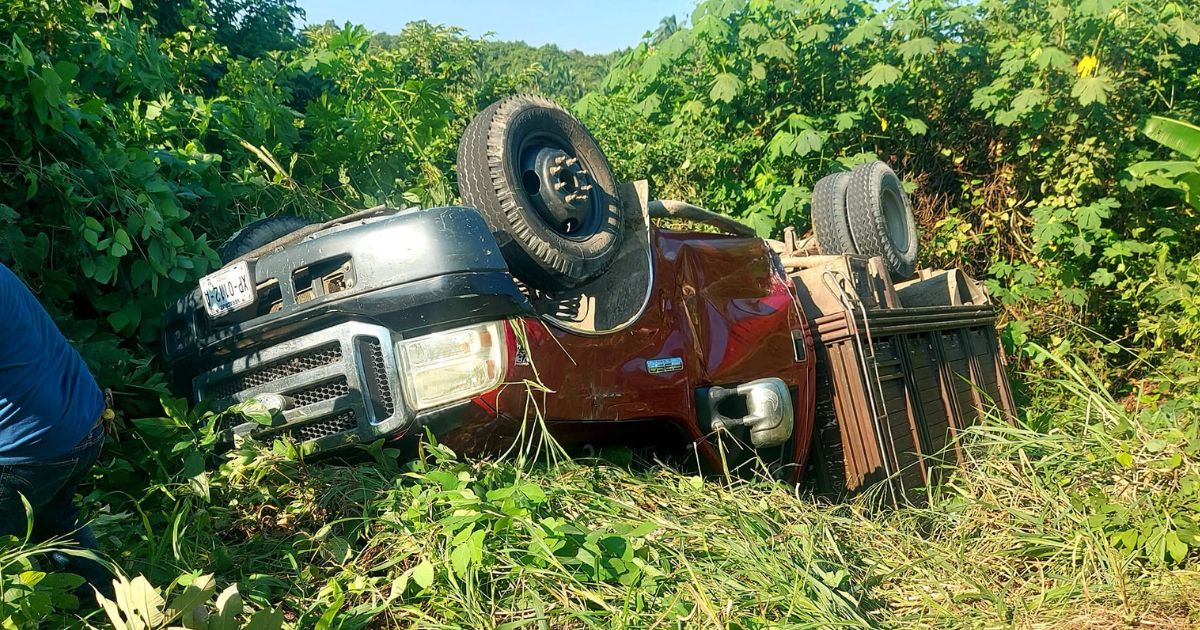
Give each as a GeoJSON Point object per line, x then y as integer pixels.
{"type": "Point", "coordinates": [1014, 122]}
{"type": "Point", "coordinates": [130, 150]}
{"type": "Point", "coordinates": [1047, 151]}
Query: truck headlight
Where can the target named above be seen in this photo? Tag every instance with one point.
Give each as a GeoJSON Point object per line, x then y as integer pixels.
{"type": "Point", "coordinates": [453, 365]}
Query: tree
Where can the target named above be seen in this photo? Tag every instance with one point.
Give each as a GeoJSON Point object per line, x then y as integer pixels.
{"type": "Point", "coordinates": [667, 27]}
{"type": "Point", "coordinates": [248, 28]}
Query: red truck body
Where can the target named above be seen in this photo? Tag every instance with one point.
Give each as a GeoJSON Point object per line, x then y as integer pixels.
{"type": "Point", "coordinates": [722, 304]}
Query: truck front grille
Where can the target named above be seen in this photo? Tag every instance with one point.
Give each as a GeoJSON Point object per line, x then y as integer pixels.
{"type": "Point", "coordinates": [320, 393]}
{"type": "Point", "coordinates": [375, 371]}
{"type": "Point", "coordinates": [339, 379]}
{"type": "Point", "coordinates": [327, 354]}
{"type": "Point", "coordinates": [340, 423]}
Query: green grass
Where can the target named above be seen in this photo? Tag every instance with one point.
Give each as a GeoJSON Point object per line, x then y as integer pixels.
{"type": "Point", "coordinates": [1084, 515]}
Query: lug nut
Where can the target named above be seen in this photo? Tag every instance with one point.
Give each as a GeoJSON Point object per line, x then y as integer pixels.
{"type": "Point", "coordinates": [559, 185]}
{"type": "Point", "coordinates": [559, 159]}
{"type": "Point", "coordinates": [572, 161]}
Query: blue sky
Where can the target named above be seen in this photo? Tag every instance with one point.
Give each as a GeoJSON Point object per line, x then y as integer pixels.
{"type": "Point", "coordinates": [593, 26]}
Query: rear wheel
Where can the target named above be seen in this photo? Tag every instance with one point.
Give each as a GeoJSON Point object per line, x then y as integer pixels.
{"type": "Point", "coordinates": [880, 218]}
{"type": "Point", "coordinates": [545, 189]}
{"type": "Point", "coordinates": [829, 215]}
{"type": "Point", "coordinates": [258, 233]}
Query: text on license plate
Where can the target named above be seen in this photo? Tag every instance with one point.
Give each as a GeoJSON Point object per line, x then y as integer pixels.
{"type": "Point", "coordinates": [227, 290]}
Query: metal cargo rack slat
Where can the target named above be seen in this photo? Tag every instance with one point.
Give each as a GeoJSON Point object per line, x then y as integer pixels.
{"type": "Point", "coordinates": [896, 383]}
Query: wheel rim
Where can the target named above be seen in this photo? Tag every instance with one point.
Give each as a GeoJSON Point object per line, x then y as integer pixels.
{"type": "Point", "coordinates": [560, 188]}
{"type": "Point", "coordinates": [895, 217]}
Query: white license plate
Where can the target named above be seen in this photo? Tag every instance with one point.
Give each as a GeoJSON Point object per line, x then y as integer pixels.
{"type": "Point", "coordinates": [227, 290]}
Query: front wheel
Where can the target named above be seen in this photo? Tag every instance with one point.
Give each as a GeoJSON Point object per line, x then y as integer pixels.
{"type": "Point", "coordinates": [544, 187]}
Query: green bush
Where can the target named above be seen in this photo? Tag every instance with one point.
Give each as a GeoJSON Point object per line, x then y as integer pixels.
{"type": "Point", "coordinates": [1012, 122]}
{"type": "Point", "coordinates": [130, 153]}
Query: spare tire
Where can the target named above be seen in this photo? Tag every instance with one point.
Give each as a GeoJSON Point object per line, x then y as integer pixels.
{"type": "Point", "coordinates": [829, 215]}
{"type": "Point", "coordinates": [881, 219]}
{"type": "Point", "coordinates": [258, 233]}
{"type": "Point", "coordinates": [544, 187]}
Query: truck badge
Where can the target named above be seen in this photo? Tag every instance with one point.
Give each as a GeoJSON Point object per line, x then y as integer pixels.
{"type": "Point", "coordinates": [659, 366]}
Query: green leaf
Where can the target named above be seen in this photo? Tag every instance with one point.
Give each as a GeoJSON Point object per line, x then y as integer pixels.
{"type": "Point", "coordinates": [808, 141]}
{"type": "Point", "coordinates": [866, 31]}
{"type": "Point", "coordinates": [775, 49]}
{"type": "Point", "coordinates": [751, 31]}
{"type": "Point", "coordinates": [1103, 277]}
{"type": "Point", "coordinates": [330, 614]}
{"type": "Point", "coordinates": [422, 574]}
{"type": "Point", "coordinates": [1180, 136]}
{"type": "Point", "coordinates": [846, 120]}
{"type": "Point", "coordinates": [725, 88]}
{"type": "Point", "coordinates": [460, 559]}
{"type": "Point", "coordinates": [985, 98]}
{"type": "Point", "coordinates": [763, 224]}
{"type": "Point", "coordinates": [267, 619]}
{"type": "Point", "coordinates": [918, 47]}
{"type": "Point", "coordinates": [651, 67]}
{"type": "Point", "coordinates": [1166, 168]}
{"type": "Point", "coordinates": [1185, 30]}
{"type": "Point", "coordinates": [1051, 57]}
{"type": "Point", "coordinates": [1091, 216]}
{"type": "Point", "coordinates": [23, 53]}
{"type": "Point", "coordinates": [1175, 547]}
{"type": "Point", "coordinates": [649, 105]}
{"type": "Point", "coordinates": [66, 70]}
{"type": "Point", "coordinates": [879, 75]}
{"type": "Point", "coordinates": [1024, 274]}
{"type": "Point", "coordinates": [193, 596]}
{"type": "Point", "coordinates": [1027, 99]}
{"type": "Point", "coordinates": [711, 27]}
{"type": "Point", "coordinates": [676, 45]}
{"type": "Point", "coordinates": [815, 33]}
{"type": "Point", "coordinates": [1092, 89]}
{"type": "Point", "coordinates": [1074, 296]}
{"type": "Point", "coordinates": [915, 126]}
{"type": "Point", "coordinates": [228, 607]}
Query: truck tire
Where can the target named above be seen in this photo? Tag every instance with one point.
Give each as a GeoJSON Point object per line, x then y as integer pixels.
{"type": "Point", "coordinates": [881, 219]}
{"type": "Point", "coordinates": [544, 187]}
{"type": "Point", "coordinates": [829, 215]}
{"type": "Point", "coordinates": [256, 234]}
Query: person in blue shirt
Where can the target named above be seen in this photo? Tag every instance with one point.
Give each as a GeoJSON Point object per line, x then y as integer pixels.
{"type": "Point", "coordinates": [50, 430]}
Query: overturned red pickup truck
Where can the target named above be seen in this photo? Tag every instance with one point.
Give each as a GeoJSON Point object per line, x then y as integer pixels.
{"type": "Point", "coordinates": [553, 300]}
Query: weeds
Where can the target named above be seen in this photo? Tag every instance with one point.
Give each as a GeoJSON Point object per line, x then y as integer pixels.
{"type": "Point", "coordinates": [1083, 515]}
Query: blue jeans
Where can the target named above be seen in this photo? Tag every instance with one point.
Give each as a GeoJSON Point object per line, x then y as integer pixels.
{"type": "Point", "coordinates": [49, 486]}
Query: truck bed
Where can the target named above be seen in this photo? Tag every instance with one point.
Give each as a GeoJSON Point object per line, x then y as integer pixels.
{"type": "Point", "coordinates": [896, 383]}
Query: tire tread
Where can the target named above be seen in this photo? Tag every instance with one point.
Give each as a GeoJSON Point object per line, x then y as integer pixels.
{"type": "Point", "coordinates": [829, 215]}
